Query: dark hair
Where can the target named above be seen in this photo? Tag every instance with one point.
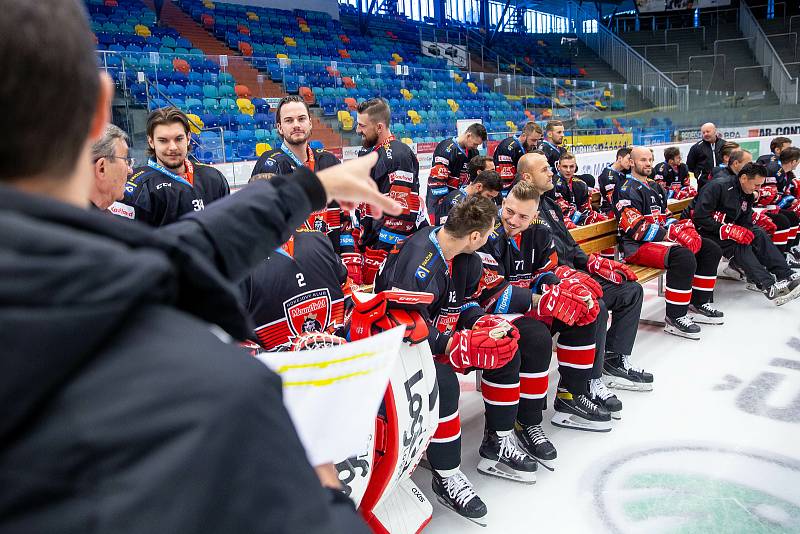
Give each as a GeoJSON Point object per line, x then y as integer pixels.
{"type": "Point", "coordinates": [736, 156]}
{"type": "Point", "coordinates": [531, 127]}
{"type": "Point", "coordinates": [728, 148]}
{"type": "Point", "coordinates": [476, 165]}
{"type": "Point", "coordinates": [478, 130]}
{"type": "Point", "coordinates": [377, 109]}
{"type": "Point", "coordinates": [489, 180]}
{"type": "Point", "coordinates": [288, 100]}
{"type": "Point", "coordinates": [49, 65]}
{"type": "Point", "coordinates": [165, 116]}
{"type": "Point", "coordinates": [751, 170]}
{"type": "Point", "coordinates": [671, 152]}
{"type": "Point", "coordinates": [552, 125]}
{"type": "Point", "coordinates": [474, 214]}
{"type": "Point", "coordinates": [624, 151]}
{"type": "Point", "coordinates": [778, 142]}
{"type": "Point", "coordinates": [789, 154]}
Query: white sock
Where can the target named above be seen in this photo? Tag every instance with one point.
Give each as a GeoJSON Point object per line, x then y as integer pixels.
{"type": "Point", "coordinates": [504, 432]}
{"type": "Point", "coordinates": [445, 473]}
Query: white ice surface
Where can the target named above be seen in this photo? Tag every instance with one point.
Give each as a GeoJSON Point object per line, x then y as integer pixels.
{"type": "Point", "coordinates": [713, 414]}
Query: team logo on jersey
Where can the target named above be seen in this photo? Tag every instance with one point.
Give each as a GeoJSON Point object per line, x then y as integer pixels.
{"type": "Point", "coordinates": [744, 205]}
{"type": "Point", "coordinates": [309, 311]}
{"type": "Point", "coordinates": [401, 176]}
{"type": "Point", "coordinates": [441, 160]}
{"type": "Point", "coordinates": [123, 210]}
{"type": "Point", "coordinates": [319, 223]}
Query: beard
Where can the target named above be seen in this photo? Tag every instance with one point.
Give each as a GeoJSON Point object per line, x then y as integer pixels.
{"type": "Point", "coordinates": [166, 163]}
{"type": "Point", "coordinates": [297, 138]}
{"type": "Point", "coordinates": [369, 141]}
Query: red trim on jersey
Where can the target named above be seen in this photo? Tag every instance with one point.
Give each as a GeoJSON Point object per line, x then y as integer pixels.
{"type": "Point", "coordinates": [679, 297]}
{"type": "Point", "coordinates": [578, 357]}
{"type": "Point", "coordinates": [534, 385]}
{"type": "Point", "coordinates": [448, 429]}
{"type": "Point", "coordinates": [499, 393]}
{"type": "Point", "coordinates": [704, 283]}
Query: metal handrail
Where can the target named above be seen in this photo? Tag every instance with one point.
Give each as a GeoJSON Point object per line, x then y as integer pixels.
{"type": "Point", "coordinates": [664, 45]}
{"type": "Point", "coordinates": [703, 28]}
{"type": "Point", "coordinates": [781, 82]}
{"type": "Point", "coordinates": [671, 72]}
{"type": "Point", "coordinates": [730, 41]}
{"type": "Point", "coordinates": [785, 34]}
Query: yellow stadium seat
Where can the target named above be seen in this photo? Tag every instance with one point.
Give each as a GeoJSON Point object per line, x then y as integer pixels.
{"type": "Point", "coordinates": [246, 106]}
{"type": "Point", "coordinates": [252, 16]}
{"type": "Point", "coordinates": [195, 123]}
{"type": "Point", "coordinates": [458, 78]}
{"type": "Point", "coordinates": [208, 4]}
{"type": "Point", "coordinates": [407, 140]}
{"type": "Point", "coordinates": [262, 147]}
{"type": "Point", "coordinates": [345, 120]}
{"type": "Point", "coordinates": [453, 105]}
{"type": "Point", "coordinates": [142, 30]}
{"type": "Point", "coordinates": [472, 87]}
{"type": "Point", "coordinates": [281, 56]}
{"type": "Point", "coordinates": [511, 126]}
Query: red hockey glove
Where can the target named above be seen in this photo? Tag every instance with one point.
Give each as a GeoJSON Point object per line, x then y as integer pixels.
{"type": "Point", "coordinates": [759, 219]}
{"type": "Point", "coordinates": [683, 233]}
{"type": "Point", "coordinates": [592, 216]}
{"type": "Point", "coordinates": [688, 191]}
{"type": "Point", "coordinates": [740, 234]}
{"type": "Point", "coordinates": [613, 271]}
{"type": "Point", "coordinates": [484, 347]}
{"type": "Point", "coordinates": [795, 207]}
{"type": "Point", "coordinates": [563, 272]}
{"type": "Point", "coordinates": [373, 259]}
{"type": "Point", "coordinates": [353, 262]}
{"type": "Point", "coordinates": [562, 305]}
{"type": "Point", "coordinates": [767, 195]}
{"type": "Point", "coordinates": [569, 224]}
{"type": "Point", "coordinates": [794, 187]}
{"type": "Point", "coordinates": [673, 191]}
{"type": "Point", "coordinates": [574, 287]}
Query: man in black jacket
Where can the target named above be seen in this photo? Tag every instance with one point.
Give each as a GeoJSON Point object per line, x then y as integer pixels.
{"type": "Point", "coordinates": [705, 154]}
{"type": "Point", "coordinates": [126, 409]}
{"type": "Point", "coordinates": [724, 214]}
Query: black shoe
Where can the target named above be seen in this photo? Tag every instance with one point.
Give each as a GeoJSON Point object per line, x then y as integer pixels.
{"type": "Point", "coordinates": [500, 457]}
{"type": "Point", "coordinates": [619, 373]}
{"type": "Point", "coordinates": [457, 493]}
{"type": "Point", "coordinates": [600, 395]}
{"type": "Point", "coordinates": [706, 314]}
{"type": "Point", "coordinates": [580, 413]}
{"type": "Point", "coordinates": [535, 443]}
{"type": "Point", "coordinates": [682, 326]}
{"type": "Point", "coordinates": [784, 291]}
{"type": "Point", "coordinates": [791, 261]}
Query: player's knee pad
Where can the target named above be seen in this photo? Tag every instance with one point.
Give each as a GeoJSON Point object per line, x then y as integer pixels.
{"type": "Point", "coordinates": [707, 258]}
{"type": "Point", "coordinates": [681, 259]}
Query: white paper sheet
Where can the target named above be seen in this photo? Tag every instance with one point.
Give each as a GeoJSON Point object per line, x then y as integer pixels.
{"type": "Point", "coordinates": [334, 394]}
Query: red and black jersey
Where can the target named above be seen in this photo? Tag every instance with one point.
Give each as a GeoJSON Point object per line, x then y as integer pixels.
{"type": "Point", "coordinates": [302, 287]}
{"type": "Point", "coordinates": [553, 154]}
{"type": "Point", "coordinates": [397, 176]}
{"type": "Point", "coordinates": [574, 192]}
{"type": "Point", "coordinates": [521, 262]}
{"type": "Point", "coordinates": [607, 181]}
{"type": "Point", "coordinates": [641, 211]}
{"type": "Point", "coordinates": [506, 156]}
{"type": "Point", "coordinates": [668, 176]}
{"type": "Point", "coordinates": [442, 208]}
{"type": "Point", "coordinates": [157, 196]}
{"type": "Point", "coordinates": [450, 170]}
{"type": "Point", "coordinates": [419, 265]}
{"type": "Point", "coordinates": [332, 221]}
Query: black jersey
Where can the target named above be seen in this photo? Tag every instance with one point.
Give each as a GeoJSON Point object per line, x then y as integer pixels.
{"type": "Point", "coordinates": [419, 265]}
{"type": "Point", "coordinates": [770, 161]}
{"type": "Point", "coordinates": [333, 221]}
{"type": "Point", "coordinates": [607, 181]}
{"type": "Point", "coordinates": [506, 156]}
{"type": "Point", "coordinates": [523, 262]}
{"type": "Point", "coordinates": [641, 211]}
{"type": "Point", "coordinates": [300, 288]}
{"type": "Point", "coordinates": [158, 196]}
{"type": "Point", "coordinates": [397, 176]}
{"type": "Point", "coordinates": [568, 251]}
{"type": "Point", "coordinates": [553, 154]}
{"type": "Point", "coordinates": [724, 196]}
{"type": "Point", "coordinates": [450, 170]}
{"type": "Point", "coordinates": [573, 192]}
{"type": "Point", "coordinates": [442, 208]}
{"type": "Point", "coordinates": [668, 176]}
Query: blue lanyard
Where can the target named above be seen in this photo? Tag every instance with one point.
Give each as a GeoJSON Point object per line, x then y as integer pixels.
{"type": "Point", "coordinates": [160, 168]}
{"type": "Point", "coordinates": [516, 138]}
{"type": "Point", "coordinates": [285, 150]}
{"type": "Point", "coordinates": [455, 142]}
{"type": "Point", "coordinates": [435, 242]}
{"type": "Point", "coordinates": [551, 145]}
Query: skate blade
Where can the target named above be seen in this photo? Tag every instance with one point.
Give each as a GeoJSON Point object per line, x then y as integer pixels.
{"type": "Point", "coordinates": [615, 382]}
{"type": "Point", "coordinates": [567, 420]}
{"type": "Point", "coordinates": [702, 319]}
{"type": "Point", "coordinates": [675, 332]}
{"type": "Point", "coordinates": [547, 464]}
{"type": "Point", "coordinates": [497, 469]}
{"type": "Point", "coordinates": [480, 521]}
{"type": "Point", "coordinates": [780, 301]}
{"type": "Point", "coordinates": [616, 416]}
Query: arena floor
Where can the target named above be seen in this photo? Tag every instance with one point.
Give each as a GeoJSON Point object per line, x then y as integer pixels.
{"type": "Point", "coordinates": [714, 448]}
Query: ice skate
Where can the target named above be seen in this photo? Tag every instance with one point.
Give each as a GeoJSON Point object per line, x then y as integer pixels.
{"type": "Point", "coordinates": [500, 457]}
{"type": "Point", "coordinates": [580, 413]}
{"type": "Point", "coordinates": [533, 440]}
{"type": "Point", "coordinates": [682, 327]}
{"type": "Point", "coordinates": [618, 373]}
{"type": "Point", "coordinates": [456, 492]}
{"type": "Point", "coordinates": [601, 396]}
{"type": "Point", "coordinates": [706, 314]}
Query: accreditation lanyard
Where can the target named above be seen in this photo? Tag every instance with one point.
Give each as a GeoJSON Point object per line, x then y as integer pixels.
{"type": "Point", "coordinates": [188, 180]}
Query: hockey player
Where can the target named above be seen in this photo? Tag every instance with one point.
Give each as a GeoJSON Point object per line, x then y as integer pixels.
{"type": "Point", "coordinates": [673, 175]}
{"type": "Point", "coordinates": [573, 196]}
{"type": "Point", "coordinates": [777, 196]}
{"type": "Point", "coordinates": [725, 157]}
{"type": "Point", "coordinates": [451, 160]}
{"type": "Point", "coordinates": [521, 250]}
{"type": "Point", "coordinates": [170, 185]}
{"type": "Point", "coordinates": [613, 175]}
{"type": "Point", "coordinates": [487, 184]}
{"type": "Point", "coordinates": [724, 214]}
{"type": "Point", "coordinates": [397, 175]}
{"type": "Point", "coordinates": [551, 145]}
{"type": "Point", "coordinates": [640, 206]}
{"type": "Point", "coordinates": [510, 149]}
{"type": "Point", "coordinates": [621, 295]}
{"type": "Point", "coordinates": [705, 154]}
{"type": "Point", "coordinates": [441, 261]}
{"type": "Point", "coordinates": [479, 164]}
{"type": "Point", "coordinates": [293, 122]}
{"type": "Point", "coordinates": [770, 161]}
